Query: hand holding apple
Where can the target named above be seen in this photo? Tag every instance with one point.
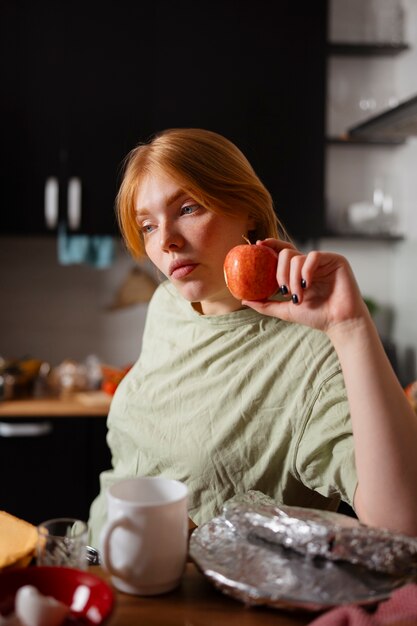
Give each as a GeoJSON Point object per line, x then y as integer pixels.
{"type": "Point", "coordinates": [321, 282]}
{"type": "Point", "coordinates": [250, 272]}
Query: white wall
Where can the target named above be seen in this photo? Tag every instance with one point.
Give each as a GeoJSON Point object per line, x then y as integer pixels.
{"type": "Point", "coordinates": [385, 271]}
{"type": "Point", "coordinates": [55, 312]}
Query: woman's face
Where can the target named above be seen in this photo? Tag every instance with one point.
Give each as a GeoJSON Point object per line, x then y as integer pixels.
{"type": "Point", "coordinates": [188, 243]}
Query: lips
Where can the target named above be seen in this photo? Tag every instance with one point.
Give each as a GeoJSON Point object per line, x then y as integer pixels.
{"type": "Point", "coordinates": [181, 268]}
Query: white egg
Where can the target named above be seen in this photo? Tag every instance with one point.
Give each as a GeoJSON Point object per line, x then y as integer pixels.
{"type": "Point", "coordinates": [34, 609]}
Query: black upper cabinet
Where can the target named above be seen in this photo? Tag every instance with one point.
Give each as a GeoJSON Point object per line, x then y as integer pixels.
{"type": "Point", "coordinates": [254, 72]}
{"type": "Point", "coordinates": [83, 83]}
{"type": "Point", "coordinates": [67, 71]}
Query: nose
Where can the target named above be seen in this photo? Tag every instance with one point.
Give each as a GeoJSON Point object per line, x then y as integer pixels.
{"type": "Point", "coordinates": [170, 238]}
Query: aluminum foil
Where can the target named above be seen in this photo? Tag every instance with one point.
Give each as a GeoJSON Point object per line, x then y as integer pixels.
{"type": "Point", "coordinates": [290, 557]}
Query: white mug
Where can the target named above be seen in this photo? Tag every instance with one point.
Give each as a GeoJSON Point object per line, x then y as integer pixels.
{"type": "Point", "coordinates": [144, 542]}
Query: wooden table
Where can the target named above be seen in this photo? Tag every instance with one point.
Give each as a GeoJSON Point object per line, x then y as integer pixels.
{"type": "Point", "coordinates": [195, 603]}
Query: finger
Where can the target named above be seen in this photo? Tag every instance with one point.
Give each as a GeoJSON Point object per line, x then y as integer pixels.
{"type": "Point", "coordinates": [296, 266]}
{"type": "Point", "coordinates": [275, 244]}
{"type": "Point", "coordinates": [284, 268]}
{"type": "Point", "coordinates": [313, 260]}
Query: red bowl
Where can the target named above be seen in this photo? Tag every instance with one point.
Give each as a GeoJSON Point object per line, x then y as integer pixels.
{"type": "Point", "coordinates": [61, 583]}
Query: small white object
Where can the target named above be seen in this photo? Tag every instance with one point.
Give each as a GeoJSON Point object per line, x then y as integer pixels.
{"type": "Point", "coordinates": [388, 204]}
{"type": "Point", "coordinates": [28, 429]}
{"type": "Point", "coordinates": [51, 202]}
{"type": "Point", "coordinates": [361, 212]}
{"type": "Point", "coordinates": [378, 197]}
{"type": "Point", "coordinates": [34, 609]}
{"type": "Point", "coordinates": [74, 203]}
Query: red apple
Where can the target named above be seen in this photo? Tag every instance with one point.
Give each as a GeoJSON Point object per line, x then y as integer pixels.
{"type": "Point", "coordinates": [250, 272]}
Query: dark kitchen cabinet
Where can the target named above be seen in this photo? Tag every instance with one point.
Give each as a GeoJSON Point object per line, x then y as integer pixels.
{"type": "Point", "coordinates": [84, 82]}
{"type": "Point", "coordinates": [66, 71]}
{"type": "Point", "coordinates": [50, 467]}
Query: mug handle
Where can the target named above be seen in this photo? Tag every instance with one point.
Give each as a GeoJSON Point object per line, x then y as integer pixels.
{"type": "Point", "coordinates": [105, 537]}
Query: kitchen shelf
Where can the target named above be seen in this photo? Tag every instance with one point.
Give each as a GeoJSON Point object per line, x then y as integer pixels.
{"type": "Point", "coordinates": [362, 236]}
{"type": "Point", "coordinates": [396, 123]}
{"type": "Point", "coordinates": [366, 49]}
{"type": "Point", "coordinates": [346, 140]}
{"type": "Point", "coordinates": [388, 129]}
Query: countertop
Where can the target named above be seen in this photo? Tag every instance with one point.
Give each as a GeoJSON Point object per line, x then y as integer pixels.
{"type": "Point", "coordinates": [195, 602]}
{"type": "Point", "coordinates": [86, 404]}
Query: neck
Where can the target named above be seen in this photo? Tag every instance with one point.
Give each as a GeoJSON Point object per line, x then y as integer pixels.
{"type": "Point", "coordinates": [217, 308]}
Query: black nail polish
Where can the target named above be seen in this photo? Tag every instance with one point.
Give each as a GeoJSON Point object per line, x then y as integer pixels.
{"type": "Point", "coordinates": [303, 283]}
{"type": "Point", "coordinates": [294, 298]}
{"type": "Point", "coordinates": [283, 289]}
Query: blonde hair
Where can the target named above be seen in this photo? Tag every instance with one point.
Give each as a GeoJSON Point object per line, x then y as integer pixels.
{"type": "Point", "coordinates": [207, 166]}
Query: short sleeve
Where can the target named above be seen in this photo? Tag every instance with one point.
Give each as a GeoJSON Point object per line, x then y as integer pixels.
{"type": "Point", "coordinates": [325, 458]}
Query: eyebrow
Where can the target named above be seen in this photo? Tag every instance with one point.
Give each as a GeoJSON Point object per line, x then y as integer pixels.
{"type": "Point", "coordinates": [170, 200]}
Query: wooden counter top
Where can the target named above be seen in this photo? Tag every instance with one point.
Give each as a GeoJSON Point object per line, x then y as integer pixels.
{"type": "Point", "coordinates": [195, 602]}
{"type": "Point", "coordinates": [87, 404]}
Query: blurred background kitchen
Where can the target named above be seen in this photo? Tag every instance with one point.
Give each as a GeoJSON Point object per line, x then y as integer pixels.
{"type": "Point", "coordinates": [84, 82]}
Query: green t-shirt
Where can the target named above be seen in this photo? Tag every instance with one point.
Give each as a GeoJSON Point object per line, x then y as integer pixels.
{"type": "Point", "coordinates": [228, 404]}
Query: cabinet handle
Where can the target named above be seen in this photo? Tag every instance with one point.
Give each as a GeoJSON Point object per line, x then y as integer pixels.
{"type": "Point", "coordinates": [74, 203]}
{"type": "Point", "coordinates": [51, 202]}
{"type": "Point", "coordinates": [29, 429]}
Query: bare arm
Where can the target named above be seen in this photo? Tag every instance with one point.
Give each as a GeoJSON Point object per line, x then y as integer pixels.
{"type": "Point", "coordinates": [384, 428]}
{"type": "Point", "coordinates": [384, 424]}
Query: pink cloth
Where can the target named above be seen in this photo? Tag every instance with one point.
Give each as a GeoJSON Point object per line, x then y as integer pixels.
{"type": "Point", "coordinates": [399, 610]}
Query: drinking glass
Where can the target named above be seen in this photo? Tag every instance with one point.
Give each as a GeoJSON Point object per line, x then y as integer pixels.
{"type": "Point", "coordinates": [63, 542]}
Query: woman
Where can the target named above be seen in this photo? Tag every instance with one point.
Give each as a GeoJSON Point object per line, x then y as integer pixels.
{"type": "Point", "coordinates": [292, 396]}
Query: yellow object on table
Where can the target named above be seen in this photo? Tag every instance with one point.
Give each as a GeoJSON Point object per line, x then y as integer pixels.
{"type": "Point", "coordinates": [17, 541]}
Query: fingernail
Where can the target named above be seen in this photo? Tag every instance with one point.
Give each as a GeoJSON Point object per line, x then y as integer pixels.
{"type": "Point", "coordinates": [294, 298]}
{"type": "Point", "coordinates": [303, 283]}
{"type": "Point", "coordinates": [284, 290]}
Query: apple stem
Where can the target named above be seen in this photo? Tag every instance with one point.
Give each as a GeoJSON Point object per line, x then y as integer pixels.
{"type": "Point", "coordinates": [246, 239]}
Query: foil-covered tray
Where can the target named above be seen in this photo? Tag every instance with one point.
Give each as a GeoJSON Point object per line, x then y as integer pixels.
{"type": "Point", "coordinates": [296, 558]}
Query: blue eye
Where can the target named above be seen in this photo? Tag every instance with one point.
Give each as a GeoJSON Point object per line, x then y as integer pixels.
{"type": "Point", "coordinates": [189, 208]}
{"type": "Point", "coordinates": [147, 228]}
